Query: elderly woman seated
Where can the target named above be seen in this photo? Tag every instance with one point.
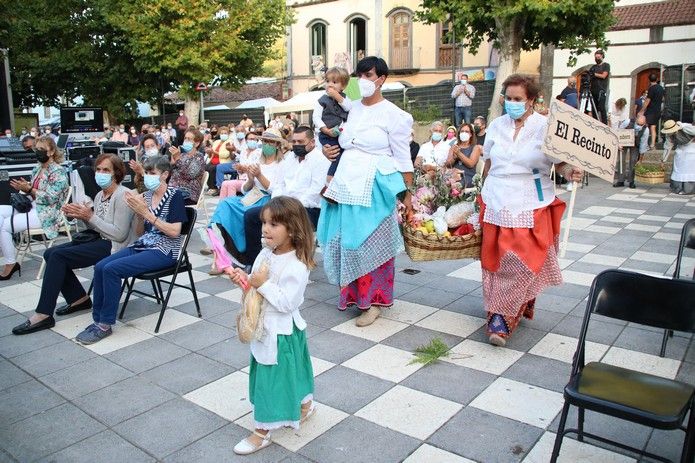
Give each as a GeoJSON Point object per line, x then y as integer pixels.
{"type": "Point", "coordinates": [109, 229]}
{"type": "Point", "coordinates": [160, 214]}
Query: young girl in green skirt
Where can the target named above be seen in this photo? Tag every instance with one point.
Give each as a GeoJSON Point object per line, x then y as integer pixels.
{"type": "Point", "coordinates": [281, 379]}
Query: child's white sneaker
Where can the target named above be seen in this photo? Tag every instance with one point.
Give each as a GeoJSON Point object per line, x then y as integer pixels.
{"type": "Point", "coordinates": [244, 447]}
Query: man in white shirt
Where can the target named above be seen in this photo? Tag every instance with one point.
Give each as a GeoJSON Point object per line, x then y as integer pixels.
{"type": "Point", "coordinates": [304, 175]}
{"type": "Point", "coordinates": [433, 152]}
{"type": "Point", "coordinates": [463, 93]}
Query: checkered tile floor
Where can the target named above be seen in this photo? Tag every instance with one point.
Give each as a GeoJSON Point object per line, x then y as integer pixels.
{"type": "Point", "coordinates": [181, 395]}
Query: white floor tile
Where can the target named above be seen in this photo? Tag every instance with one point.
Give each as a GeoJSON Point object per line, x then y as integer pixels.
{"type": "Point", "coordinates": [577, 278]}
{"type": "Point", "coordinates": [675, 200]}
{"type": "Point", "coordinates": [639, 361]}
{"type": "Point", "coordinates": [471, 271]}
{"type": "Point", "coordinates": [180, 296]}
{"type": "Point", "coordinates": [429, 454]}
{"type": "Point", "coordinates": [667, 236]}
{"type": "Point", "coordinates": [600, 211]}
{"type": "Point", "coordinates": [324, 419]}
{"type": "Point", "coordinates": [123, 336]}
{"type": "Point", "coordinates": [674, 225]}
{"type": "Point", "coordinates": [520, 401]}
{"type": "Point", "coordinates": [384, 362]}
{"type": "Point", "coordinates": [562, 348]}
{"type": "Point", "coordinates": [319, 365]}
{"type": "Point", "coordinates": [601, 259]}
{"type": "Point", "coordinates": [616, 219]}
{"type": "Point", "coordinates": [564, 263]}
{"type": "Point", "coordinates": [483, 356]}
{"type": "Point", "coordinates": [410, 412]}
{"type": "Point", "coordinates": [578, 223]}
{"type": "Point", "coordinates": [572, 451]}
{"type": "Point", "coordinates": [407, 312]}
{"type": "Point", "coordinates": [228, 396]}
{"type": "Point", "coordinates": [173, 319]}
{"type": "Point", "coordinates": [644, 272]}
{"type": "Point", "coordinates": [644, 200]}
{"type": "Point", "coordinates": [684, 216]}
{"type": "Point", "coordinates": [654, 218]}
{"type": "Point", "coordinates": [452, 323]}
{"type": "Point", "coordinates": [635, 190]}
{"type": "Point", "coordinates": [653, 257]}
{"type": "Point", "coordinates": [654, 195]}
{"type": "Point", "coordinates": [381, 329]}
{"type": "Point", "coordinates": [623, 197]}
{"type": "Point", "coordinates": [641, 227]}
{"type": "Point", "coordinates": [198, 260]}
{"type": "Point", "coordinates": [577, 247]}
{"type": "Point", "coordinates": [233, 295]}
{"type": "Point", "coordinates": [629, 211]}
{"type": "Point", "coordinates": [71, 327]}
{"type": "Point", "coordinates": [183, 277]}
{"type": "Point", "coordinates": [24, 297]}
{"type": "Point", "coordinates": [602, 229]}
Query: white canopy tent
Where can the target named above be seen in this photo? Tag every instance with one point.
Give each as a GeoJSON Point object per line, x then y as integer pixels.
{"type": "Point", "coordinates": [300, 103]}
{"type": "Point", "coordinates": [258, 103]}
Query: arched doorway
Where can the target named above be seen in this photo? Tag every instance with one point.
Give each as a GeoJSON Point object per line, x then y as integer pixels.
{"type": "Point", "coordinates": [642, 80]}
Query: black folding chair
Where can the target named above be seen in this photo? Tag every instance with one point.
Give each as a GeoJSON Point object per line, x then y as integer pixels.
{"type": "Point", "coordinates": [183, 264]}
{"type": "Point", "coordinates": [687, 241]}
{"type": "Point", "coordinates": [642, 398]}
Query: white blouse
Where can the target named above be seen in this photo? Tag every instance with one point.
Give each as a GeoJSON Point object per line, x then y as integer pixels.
{"type": "Point", "coordinates": [510, 190]}
{"type": "Point", "coordinates": [303, 180]}
{"type": "Point", "coordinates": [283, 293]}
{"type": "Point", "coordinates": [272, 172]}
{"type": "Point", "coordinates": [374, 137]}
{"type": "Point", "coordinates": [434, 154]}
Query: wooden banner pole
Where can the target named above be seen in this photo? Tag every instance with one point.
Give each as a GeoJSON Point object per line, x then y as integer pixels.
{"type": "Point", "coordinates": [568, 221]}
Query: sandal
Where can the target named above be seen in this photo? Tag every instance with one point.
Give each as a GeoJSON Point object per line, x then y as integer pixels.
{"type": "Point", "coordinates": [244, 447]}
{"type": "Point", "coordinates": [497, 340]}
{"type": "Point", "coordinates": [309, 413]}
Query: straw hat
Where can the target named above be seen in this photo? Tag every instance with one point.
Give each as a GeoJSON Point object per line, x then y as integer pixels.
{"type": "Point", "coordinates": [671, 126]}
{"type": "Point", "coordinates": [273, 135]}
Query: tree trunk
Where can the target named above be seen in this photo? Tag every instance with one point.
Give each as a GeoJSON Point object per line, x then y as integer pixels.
{"type": "Point", "coordinates": [192, 110]}
{"type": "Point", "coordinates": [546, 72]}
{"type": "Point", "coordinates": [510, 36]}
{"type": "Point", "coordinates": [108, 120]}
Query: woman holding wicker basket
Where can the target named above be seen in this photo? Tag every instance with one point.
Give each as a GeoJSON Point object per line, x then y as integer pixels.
{"type": "Point", "coordinates": [520, 215]}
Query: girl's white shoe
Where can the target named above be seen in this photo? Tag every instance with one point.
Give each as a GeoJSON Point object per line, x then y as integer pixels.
{"type": "Point", "coordinates": [244, 447]}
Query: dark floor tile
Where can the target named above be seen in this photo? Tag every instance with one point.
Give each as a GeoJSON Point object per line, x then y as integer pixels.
{"type": "Point", "coordinates": [25, 400]}
{"type": "Point", "coordinates": [199, 335]}
{"type": "Point", "coordinates": [187, 373]}
{"type": "Point", "coordinates": [337, 347]}
{"type": "Point", "coordinates": [231, 352]}
{"type": "Point", "coordinates": [146, 355]}
{"type": "Point", "coordinates": [452, 382]}
{"type": "Point", "coordinates": [540, 371]}
{"type": "Point", "coordinates": [52, 358]}
{"type": "Point", "coordinates": [348, 390]}
{"type": "Point", "coordinates": [105, 447]}
{"type": "Point", "coordinates": [415, 336]}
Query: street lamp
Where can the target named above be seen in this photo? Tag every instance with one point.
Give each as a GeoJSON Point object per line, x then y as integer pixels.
{"type": "Point", "coordinates": [201, 87]}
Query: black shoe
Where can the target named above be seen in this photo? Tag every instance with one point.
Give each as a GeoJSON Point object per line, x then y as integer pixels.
{"type": "Point", "coordinates": [27, 327]}
{"type": "Point", "coordinates": [618, 184]}
{"type": "Point", "coordinates": [15, 268]}
{"type": "Point", "coordinates": [69, 308]}
{"type": "Point", "coordinates": [632, 185]}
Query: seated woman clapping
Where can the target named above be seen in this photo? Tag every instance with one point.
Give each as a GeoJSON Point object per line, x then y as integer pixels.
{"type": "Point", "coordinates": [160, 214]}
{"type": "Point", "coordinates": [109, 225]}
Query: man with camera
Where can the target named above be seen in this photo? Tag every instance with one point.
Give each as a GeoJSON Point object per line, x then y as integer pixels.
{"type": "Point", "coordinates": [599, 76]}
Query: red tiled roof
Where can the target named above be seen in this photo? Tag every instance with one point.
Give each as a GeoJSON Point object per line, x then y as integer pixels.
{"type": "Point", "coordinates": [667, 13]}
{"type": "Point", "coordinates": [247, 92]}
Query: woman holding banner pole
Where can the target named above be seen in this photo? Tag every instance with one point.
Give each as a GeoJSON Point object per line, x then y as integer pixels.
{"type": "Point", "coordinates": [520, 214]}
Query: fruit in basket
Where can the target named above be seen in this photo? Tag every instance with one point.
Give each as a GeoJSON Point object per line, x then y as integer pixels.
{"type": "Point", "coordinates": [465, 229]}
{"type": "Point", "coordinates": [429, 226]}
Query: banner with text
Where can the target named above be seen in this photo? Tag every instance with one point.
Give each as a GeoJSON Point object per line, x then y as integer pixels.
{"type": "Point", "coordinates": [581, 141]}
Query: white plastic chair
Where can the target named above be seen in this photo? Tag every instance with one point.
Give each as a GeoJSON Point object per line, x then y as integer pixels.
{"type": "Point", "coordinates": [201, 204]}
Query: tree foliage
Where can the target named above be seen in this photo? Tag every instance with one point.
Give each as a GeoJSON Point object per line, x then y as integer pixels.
{"type": "Point", "coordinates": [515, 25]}
{"type": "Point", "coordinates": [114, 52]}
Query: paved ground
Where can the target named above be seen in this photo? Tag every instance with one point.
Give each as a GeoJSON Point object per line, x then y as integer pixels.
{"type": "Point", "coordinates": [181, 395]}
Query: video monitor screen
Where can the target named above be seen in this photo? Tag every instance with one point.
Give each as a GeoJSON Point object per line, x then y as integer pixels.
{"type": "Point", "coordinates": [77, 120]}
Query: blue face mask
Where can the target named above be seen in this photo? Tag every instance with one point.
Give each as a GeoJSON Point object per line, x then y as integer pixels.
{"type": "Point", "coordinates": [515, 109]}
{"type": "Point", "coordinates": [252, 144]}
{"type": "Point", "coordinates": [152, 181]}
{"type": "Point", "coordinates": [436, 136]}
{"type": "Point", "coordinates": [240, 135]}
{"type": "Point", "coordinates": [103, 179]}
{"type": "Point", "coordinates": [187, 146]}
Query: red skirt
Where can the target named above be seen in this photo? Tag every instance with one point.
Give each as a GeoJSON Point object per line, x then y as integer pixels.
{"type": "Point", "coordinates": [372, 289]}
{"type": "Point", "coordinates": [518, 263]}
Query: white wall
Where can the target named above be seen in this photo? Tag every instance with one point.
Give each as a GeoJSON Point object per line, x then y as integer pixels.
{"type": "Point", "coordinates": [680, 32]}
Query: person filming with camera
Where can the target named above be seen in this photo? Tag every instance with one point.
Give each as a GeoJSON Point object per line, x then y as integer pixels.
{"type": "Point", "coordinates": [599, 75]}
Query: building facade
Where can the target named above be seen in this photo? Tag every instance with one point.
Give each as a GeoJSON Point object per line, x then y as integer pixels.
{"type": "Point", "coordinates": [340, 32]}
{"type": "Point", "coordinates": [648, 37]}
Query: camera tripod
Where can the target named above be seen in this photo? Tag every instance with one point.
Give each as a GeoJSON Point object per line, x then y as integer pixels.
{"type": "Point", "coordinates": [587, 105]}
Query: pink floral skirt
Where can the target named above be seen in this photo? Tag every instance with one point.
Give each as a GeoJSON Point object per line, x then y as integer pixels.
{"type": "Point", "coordinates": [373, 289]}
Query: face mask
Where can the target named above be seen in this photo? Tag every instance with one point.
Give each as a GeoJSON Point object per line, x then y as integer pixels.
{"type": "Point", "coordinates": [598, 60]}
{"type": "Point", "coordinates": [187, 146]}
{"type": "Point", "coordinates": [240, 135]}
{"type": "Point", "coordinates": [169, 127]}
{"type": "Point", "coordinates": [252, 130]}
{"type": "Point", "coordinates": [24, 132]}
{"type": "Point", "coordinates": [47, 131]}
{"type": "Point", "coordinates": [450, 135]}
{"type": "Point", "coordinates": [269, 150]}
{"type": "Point", "coordinates": [41, 155]}
{"type": "Point", "coordinates": [108, 134]}
{"type": "Point", "coordinates": [102, 179]}
{"type": "Point", "coordinates": [515, 109]}
{"type": "Point", "coordinates": [252, 144]}
{"type": "Point", "coordinates": [121, 130]}
{"type": "Point", "coordinates": [180, 114]}
{"type": "Point", "coordinates": [33, 134]}
{"type": "Point", "coordinates": [299, 150]}
{"type": "Point", "coordinates": [540, 100]}
{"type": "Point", "coordinates": [464, 136]}
{"type": "Point", "coordinates": [132, 131]}
{"type": "Point", "coordinates": [464, 82]}
{"type": "Point", "coordinates": [152, 181]}
{"type": "Point", "coordinates": [367, 87]}
{"type": "Point", "coordinates": [436, 136]}
{"type": "Point", "coordinates": [151, 152]}
{"type": "Point", "coordinates": [476, 129]}
{"type": "Point", "coordinates": [224, 137]}
{"type": "Point", "coordinates": [158, 133]}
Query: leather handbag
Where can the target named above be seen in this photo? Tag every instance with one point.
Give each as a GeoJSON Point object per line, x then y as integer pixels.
{"type": "Point", "coordinates": [20, 203]}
